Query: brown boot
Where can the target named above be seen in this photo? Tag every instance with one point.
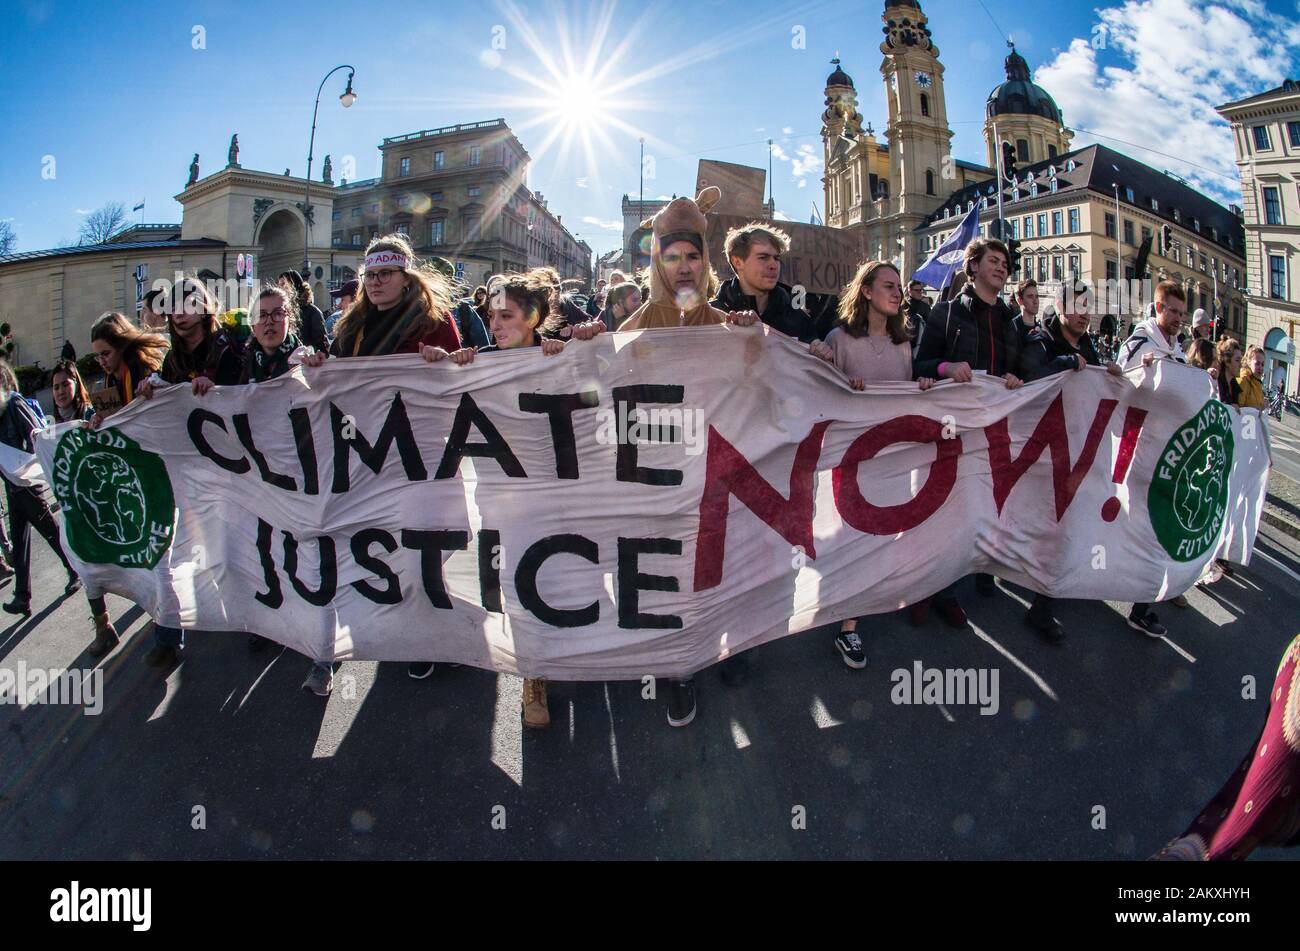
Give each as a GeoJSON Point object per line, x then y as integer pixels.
{"type": "Point", "coordinates": [105, 636]}
{"type": "Point", "coordinates": [536, 714]}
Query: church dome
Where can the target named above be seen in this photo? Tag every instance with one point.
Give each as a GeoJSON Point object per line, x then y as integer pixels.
{"type": "Point", "coordinates": [1020, 96]}
{"type": "Point", "coordinates": [839, 77]}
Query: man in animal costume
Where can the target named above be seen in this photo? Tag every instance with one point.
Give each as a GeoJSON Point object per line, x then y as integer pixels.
{"type": "Point", "coordinates": [679, 269]}
{"type": "Point", "coordinates": [679, 297]}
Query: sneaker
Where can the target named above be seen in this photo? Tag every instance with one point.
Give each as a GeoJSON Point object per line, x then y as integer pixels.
{"type": "Point", "coordinates": [419, 669]}
{"type": "Point", "coordinates": [1179, 602]}
{"type": "Point", "coordinates": [536, 714]}
{"type": "Point", "coordinates": [850, 647]}
{"type": "Point", "coordinates": [681, 702]}
{"type": "Point", "coordinates": [1147, 624]}
{"type": "Point", "coordinates": [105, 636]}
{"type": "Point", "coordinates": [952, 613]}
{"type": "Point", "coordinates": [256, 642]}
{"type": "Point", "coordinates": [320, 680]}
{"type": "Point", "coordinates": [161, 656]}
{"type": "Point", "coordinates": [734, 671]}
{"type": "Point", "coordinates": [1046, 625]}
{"type": "Point", "coordinates": [984, 585]}
{"type": "Point", "coordinates": [72, 587]}
{"type": "Point", "coordinates": [918, 613]}
{"type": "Point", "coordinates": [18, 607]}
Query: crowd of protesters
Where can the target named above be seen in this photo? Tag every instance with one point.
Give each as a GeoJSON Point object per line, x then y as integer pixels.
{"type": "Point", "coordinates": [883, 329]}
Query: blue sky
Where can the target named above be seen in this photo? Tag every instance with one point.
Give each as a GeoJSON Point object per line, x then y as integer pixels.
{"type": "Point", "coordinates": [121, 97]}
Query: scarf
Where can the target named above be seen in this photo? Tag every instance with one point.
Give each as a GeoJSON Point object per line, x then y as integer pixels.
{"type": "Point", "coordinates": [267, 366]}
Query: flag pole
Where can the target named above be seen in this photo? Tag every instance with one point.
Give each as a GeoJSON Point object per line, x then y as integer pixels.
{"type": "Point", "coordinates": [997, 152]}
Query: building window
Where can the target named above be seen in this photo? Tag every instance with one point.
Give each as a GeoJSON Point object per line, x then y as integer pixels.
{"type": "Point", "coordinates": [436, 229]}
{"type": "Point", "coordinates": [1110, 225]}
{"type": "Point", "coordinates": [1075, 270]}
{"type": "Point", "coordinates": [1178, 215]}
{"type": "Point", "coordinates": [471, 228]}
{"type": "Point", "coordinates": [403, 229]}
{"type": "Point", "coordinates": [1022, 150]}
{"type": "Point", "coordinates": [1070, 165]}
{"type": "Point", "coordinates": [1042, 225]}
{"type": "Point", "coordinates": [1146, 233]}
{"type": "Point", "coordinates": [1262, 143]}
{"type": "Point", "coordinates": [1015, 193]}
{"type": "Point", "coordinates": [337, 239]}
{"type": "Point", "coordinates": [1196, 225]}
{"type": "Point", "coordinates": [356, 239]}
{"type": "Point", "coordinates": [1111, 270]}
{"type": "Point", "coordinates": [1128, 231]}
{"type": "Point", "coordinates": [1014, 225]}
{"type": "Point", "coordinates": [472, 191]}
{"type": "Point", "coordinates": [1272, 206]}
{"type": "Point", "coordinates": [439, 161]}
{"type": "Point", "coordinates": [925, 104]}
{"type": "Point", "coordinates": [1204, 265]}
{"type": "Point", "coordinates": [404, 167]}
{"type": "Point", "coordinates": [336, 215]}
{"type": "Point", "coordinates": [1033, 189]}
{"type": "Point", "coordinates": [1051, 151]}
{"type": "Point", "coordinates": [1029, 225]}
{"type": "Point", "coordinates": [374, 208]}
{"type": "Point", "coordinates": [1074, 221]}
{"type": "Point", "coordinates": [1058, 268]}
{"type": "Point", "coordinates": [1056, 222]}
{"type": "Point", "coordinates": [403, 201]}
{"type": "Point", "coordinates": [356, 212]}
{"type": "Point", "coordinates": [475, 155]}
{"type": "Point", "coordinates": [1128, 195]}
{"type": "Point", "coordinates": [1277, 277]}
{"type": "Point", "coordinates": [1042, 268]}
{"type": "Point", "coordinates": [929, 181]}
{"type": "Point", "coordinates": [435, 196]}
{"type": "Point", "coordinates": [1051, 186]}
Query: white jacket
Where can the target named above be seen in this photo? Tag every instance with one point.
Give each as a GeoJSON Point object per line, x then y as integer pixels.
{"type": "Point", "coordinates": [1148, 337]}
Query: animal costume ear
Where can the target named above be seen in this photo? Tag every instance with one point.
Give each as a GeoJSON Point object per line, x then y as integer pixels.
{"type": "Point", "coordinates": [707, 198]}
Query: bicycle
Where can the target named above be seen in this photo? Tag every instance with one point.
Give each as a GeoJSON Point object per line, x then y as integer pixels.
{"type": "Point", "coordinates": [1276, 402]}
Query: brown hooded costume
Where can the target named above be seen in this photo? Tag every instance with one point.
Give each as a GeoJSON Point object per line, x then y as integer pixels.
{"type": "Point", "coordinates": [680, 220]}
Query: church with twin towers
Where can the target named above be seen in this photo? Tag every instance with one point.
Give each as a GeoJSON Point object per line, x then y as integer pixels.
{"type": "Point", "coordinates": [1076, 213]}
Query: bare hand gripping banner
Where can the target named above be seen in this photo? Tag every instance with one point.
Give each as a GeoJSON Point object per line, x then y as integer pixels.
{"type": "Point", "coordinates": [644, 503]}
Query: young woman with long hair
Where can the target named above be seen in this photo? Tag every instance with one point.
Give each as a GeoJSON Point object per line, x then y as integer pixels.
{"type": "Point", "coordinates": [126, 354]}
{"type": "Point", "coordinates": [71, 401]}
{"type": "Point", "coordinates": [519, 315]}
{"type": "Point", "coordinates": [870, 344]}
{"type": "Point", "coordinates": [311, 322]}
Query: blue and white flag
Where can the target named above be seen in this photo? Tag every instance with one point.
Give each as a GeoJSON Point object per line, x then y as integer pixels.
{"type": "Point", "coordinates": [946, 261]}
{"type": "Point", "coordinates": [139, 206]}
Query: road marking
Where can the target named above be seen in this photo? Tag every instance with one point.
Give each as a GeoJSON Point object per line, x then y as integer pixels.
{"type": "Point", "coordinates": [946, 715]}
{"type": "Point", "coordinates": [738, 735]}
{"type": "Point", "coordinates": [821, 716]}
{"type": "Point", "coordinates": [1024, 668]}
{"type": "Point", "coordinates": [508, 728]}
{"type": "Point", "coordinates": [613, 737]}
{"type": "Point", "coordinates": [1190, 658]}
{"type": "Point", "coordinates": [1281, 567]}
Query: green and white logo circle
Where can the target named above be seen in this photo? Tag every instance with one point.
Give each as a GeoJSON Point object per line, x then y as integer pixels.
{"type": "Point", "coordinates": [117, 501]}
{"type": "Point", "coordinates": [1188, 501]}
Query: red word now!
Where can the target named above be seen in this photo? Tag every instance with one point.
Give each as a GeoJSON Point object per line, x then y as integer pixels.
{"type": "Point", "coordinates": [790, 515]}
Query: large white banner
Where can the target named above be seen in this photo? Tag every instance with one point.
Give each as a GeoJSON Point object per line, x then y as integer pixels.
{"type": "Point", "coordinates": [644, 503]}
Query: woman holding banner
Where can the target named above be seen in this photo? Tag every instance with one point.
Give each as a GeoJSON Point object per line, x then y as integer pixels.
{"type": "Point", "coordinates": [870, 343]}
{"type": "Point", "coordinates": [204, 356]}
{"type": "Point", "coordinates": [27, 507]}
{"type": "Point", "coordinates": [402, 307]}
{"type": "Point", "coordinates": [127, 355]}
{"type": "Point", "coordinates": [518, 315]}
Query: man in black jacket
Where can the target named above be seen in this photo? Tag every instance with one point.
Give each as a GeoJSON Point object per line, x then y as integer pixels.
{"type": "Point", "coordinates": [754, 252]}
{"type": "Point", "coordinates": [1027, 319]}
{"type": "Point", "coordinates": [1059, 345]}
{"type": "Point", "coordinates": [973, 331]}
{"type": "Point", "coordinates": [917, 309]}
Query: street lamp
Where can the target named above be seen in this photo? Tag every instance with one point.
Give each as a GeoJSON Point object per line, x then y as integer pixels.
{"type": "Point", "coordinates": [347, 99]}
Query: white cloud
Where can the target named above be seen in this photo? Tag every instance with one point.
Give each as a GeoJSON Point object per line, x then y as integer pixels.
{"type": "Point", "coordinates": [780, 215]}
{"type": "Point", "coordinates": [804, 162]}
{"type": "Point", "coordinates": [611, 225]}
{"type": "Point", "coordinates": [787, 130]}
{"type": "Point", "coordinates": [86, 211]}
{"type": "Point", "coordinates": [1176, 63]}
{"type": "Point", "coordinates": [581, 183]}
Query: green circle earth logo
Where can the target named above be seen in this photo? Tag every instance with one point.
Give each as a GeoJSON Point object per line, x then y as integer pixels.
{"type": "Point", "coordinates": [1189, 488]}
{"type": "Point", "coordinates": [117, 500]}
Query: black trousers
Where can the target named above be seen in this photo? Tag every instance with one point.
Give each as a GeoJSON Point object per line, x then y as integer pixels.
{"type": "Point", "coordinates": [27, 510]}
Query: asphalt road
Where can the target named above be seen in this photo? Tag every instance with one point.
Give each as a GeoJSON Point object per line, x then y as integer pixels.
{"type": "Point", "coordinates": [389, 767]}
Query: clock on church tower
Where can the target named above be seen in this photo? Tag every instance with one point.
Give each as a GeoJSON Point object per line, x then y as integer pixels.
{"type": "Point", "coordinates": [923, 80]}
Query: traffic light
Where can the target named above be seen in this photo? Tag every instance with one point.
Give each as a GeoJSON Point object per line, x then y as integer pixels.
{"type": "Point", "coordinates": [1166, 239]}
{"type": "Point", "coordinates": [1009, 161]}
{"type": "Point", "coordinates": [1013, 256]}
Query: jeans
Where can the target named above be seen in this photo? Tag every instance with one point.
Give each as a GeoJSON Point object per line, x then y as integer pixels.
{"type": "Point", "coordinates": [165, 636]}
{"type": "Point", "coordinates": [28, 509]}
